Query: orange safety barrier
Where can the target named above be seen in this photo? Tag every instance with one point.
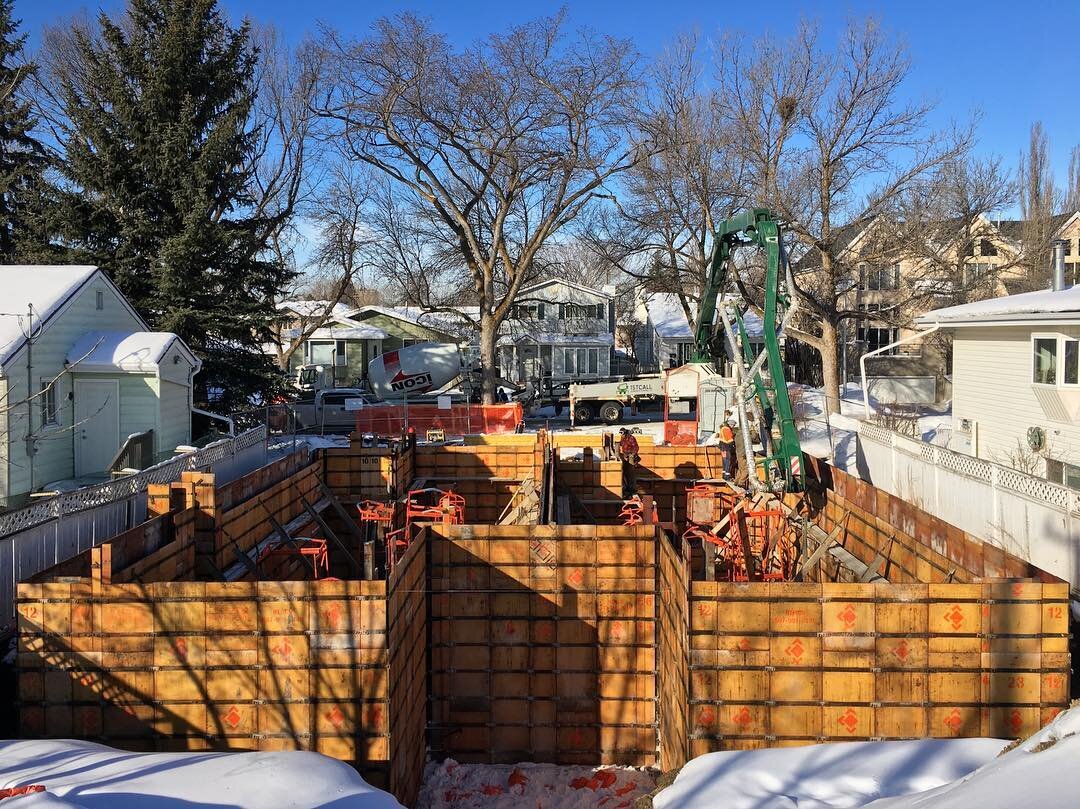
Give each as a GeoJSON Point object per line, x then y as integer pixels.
{"type": "Point", "coordinates": [392, 419]}
{"type": "Point", "coordinates": [12, 792]}
{"type": "Point", "coordinates": [680, 433]}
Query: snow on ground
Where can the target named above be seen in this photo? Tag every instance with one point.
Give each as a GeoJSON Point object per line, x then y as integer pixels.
{"type": "Point", "coordinates": [833, 437]}
{"type": "Point", "coordinates": [1040, 772]}
{"type": "Point", "coordinates": [449, 785]}
{"type": "Point", "coordinates": [919, 774]}
{"type": "Point", "coordinates": [826, 776]}
{"type": "Point", "coordinates": [84, 775]}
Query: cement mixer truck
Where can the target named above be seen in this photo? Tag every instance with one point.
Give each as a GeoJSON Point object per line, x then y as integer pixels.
{"type": "Point", "coordinates": [415, 370]}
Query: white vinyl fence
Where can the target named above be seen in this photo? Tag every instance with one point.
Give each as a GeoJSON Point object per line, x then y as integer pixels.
{"type": "Point", "coordinates": [1028, 516]}
{"type": "Point", "coordinates": [51, 531]}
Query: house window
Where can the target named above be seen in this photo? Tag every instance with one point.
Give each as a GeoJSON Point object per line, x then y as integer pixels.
{"type": "Point", "coordinates": [974, 273]}
{"type": "Point", "coordinates": [339, 353]}
{"type": "Point", "coordinates": [1045, 361]}
{"type": "Point", "coordinates": [569, 311]}
{"type": "Point", "coordinates": [49, 416]}
{"type": "Point", "coordinates": [879, 278]}
{"type": "Point", "coordinates": [322, 353]}
{"type": "Point", "coordinates": [594, 361]}
{"type": "Point", "coordinates": [876, 337]}
{"type": "Point", "coordinates": [1071, 361]}
{"type": "Point", "coordinates": [534, 311]}
{"type": "Point", "coordinates": [1068, 247]}
{"type": "Point", "coordinates": [986, 248]}
{"type": "Point", "coordinates": [569, 361]}
{"type": "Point", "coordinates": [1064, 474]}
{"type": "Point", "coordinates": [547, 359]}
{"type": "Point", "coordinates": [99, 300]}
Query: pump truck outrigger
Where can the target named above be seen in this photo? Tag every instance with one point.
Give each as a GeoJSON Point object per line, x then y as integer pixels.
{"type": "Point", "coordinates": [769, 400]}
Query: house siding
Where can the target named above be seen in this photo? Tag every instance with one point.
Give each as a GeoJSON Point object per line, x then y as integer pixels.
{"type": "Point", "coordinates": [992, 370]}
{"type": "Point", "coordinates": [175, 418]}
{"type": "Point", "coordinates": [54, 459]}
{"type": "Point", "coordinates": [3, 444]}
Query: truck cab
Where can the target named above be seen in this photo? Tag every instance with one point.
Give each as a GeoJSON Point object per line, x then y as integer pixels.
{"type": "Point", "coordinates": [330, 410]}
{"type": "Point", "coordinates": [311, 378]}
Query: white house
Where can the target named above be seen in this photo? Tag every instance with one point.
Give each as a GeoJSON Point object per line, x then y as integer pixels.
{"type": "Point", "coordinates": [80, 371]}
{"type": "Point", "coordinates": [1016, 380]}
{"type": "Point", "coordinates": [559, 330]}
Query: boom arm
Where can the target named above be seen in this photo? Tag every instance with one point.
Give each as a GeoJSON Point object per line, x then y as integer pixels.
{"type": "Point", "coordinates": [755, 226]}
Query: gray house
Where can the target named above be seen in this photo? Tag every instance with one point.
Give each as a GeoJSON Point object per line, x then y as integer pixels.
{"type": "Point", "coordinates": [559, 330]}
{"type": "Point", "coordinates": [80, 372]}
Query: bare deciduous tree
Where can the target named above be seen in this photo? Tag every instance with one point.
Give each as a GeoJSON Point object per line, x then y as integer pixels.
{"type": "Point", "coordinates": [942, 222]}
{"type": "Point", "coordinates": [493, 149]}
{"type": "Point", "coordinates": [672, 202]}
{"type": "Point", "coordinates": [340, 255]}
{"type": "Point", "coordinates": [829, 143]}
{"type": "Point", "coordinates": [1072, 202]}
{"type": "Point", "coordinates": [1039, 200]}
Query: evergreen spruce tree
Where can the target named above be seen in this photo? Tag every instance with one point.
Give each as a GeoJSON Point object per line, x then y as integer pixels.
{"type": "Point", "coordinates": [157, 165]}
{"type": "Point", "coordinates": [22, 159]}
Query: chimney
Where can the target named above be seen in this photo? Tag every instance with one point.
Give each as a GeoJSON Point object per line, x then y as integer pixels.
{"type": "Point", "coordinates": [1059, 264]}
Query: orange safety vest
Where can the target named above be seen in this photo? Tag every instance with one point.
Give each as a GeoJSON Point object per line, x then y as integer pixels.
{"type": "Point", "coordinates": [727, 435]}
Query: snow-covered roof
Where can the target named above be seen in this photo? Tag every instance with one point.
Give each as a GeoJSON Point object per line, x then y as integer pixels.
{"type": "Point", "coordinates": [139, 351]}
{"type": "Point", "coordinates": [316, 308]}
{"type": "Point", "coordinates": [606, 292]}
{"type": "Point", "coordinates": [667, 316]}
{"type": "Point", "coordinates": [1027, 307]}
{"type": "Point", "coordinates": [334, 332]}
{"type": "Point", "coordinates": [554, 338]}
{"type": "Point", "coordinates": [44, 287]}
{"type": "Point", "coordinates": [670, 323]}
{"type": "Point", "coordinates": [446, 322]}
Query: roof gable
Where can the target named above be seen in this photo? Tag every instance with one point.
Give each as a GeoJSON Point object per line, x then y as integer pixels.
{"type": "Point", "coordinates": [49, 289]}
{"type": "Point", "coordinates": [571, 284]}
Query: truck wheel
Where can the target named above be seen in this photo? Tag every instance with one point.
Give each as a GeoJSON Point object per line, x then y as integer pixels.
{"type": "Point", "coordinates": [611, 412]}
{"type": "Point", "coordinates": [583, 413]}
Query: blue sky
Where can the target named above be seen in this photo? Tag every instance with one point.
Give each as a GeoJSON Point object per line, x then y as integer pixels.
{"type": "Point", "coordinates": [1014, 62]}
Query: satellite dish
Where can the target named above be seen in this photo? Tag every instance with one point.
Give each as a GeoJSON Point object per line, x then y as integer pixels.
{"type": "Point", "coordinates": [1036, 438]}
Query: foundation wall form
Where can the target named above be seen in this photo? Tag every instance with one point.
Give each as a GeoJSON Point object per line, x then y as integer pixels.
{"type": "Point", "coordinates": [408, 663]}
{"type": "Point", "coordinates": [209, 665]}
{"type": "Point", "coordinates": [544, 643]}
{"type": "Point", "coordinates": [799, 663]}
{"type": "Point", "coordinates": [907, 544]}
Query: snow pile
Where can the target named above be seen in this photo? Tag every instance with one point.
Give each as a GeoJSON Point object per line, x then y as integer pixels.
{"type": "Point", "coordinates": [84, 775]}
{"type": "Point", "coordinates": [827, 776]}
{"type": "Point", "coordinates": [1040, 772]}
{"type": "Point", "coordinates": [449, 785]}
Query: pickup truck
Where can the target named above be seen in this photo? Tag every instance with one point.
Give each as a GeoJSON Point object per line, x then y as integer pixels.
{"type": "Point", "coordinates": [326, 410]}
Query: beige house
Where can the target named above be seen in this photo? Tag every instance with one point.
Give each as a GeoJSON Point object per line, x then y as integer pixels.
{"type": "Point", "coordinates": [1016, 380]}
{"type": "Point", "coordinates": [900, 285]}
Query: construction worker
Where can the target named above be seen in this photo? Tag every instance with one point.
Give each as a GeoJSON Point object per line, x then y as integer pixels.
{"type": "Point", "coordinates": [727, 445]}
{"type": "Point", "coordinates": [628, 454]}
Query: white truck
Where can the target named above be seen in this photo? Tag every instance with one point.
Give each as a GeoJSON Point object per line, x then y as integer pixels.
{"type": "Point", "coordinates": [330, 410]}
{"type": "Point", "coordinates": [606, 400]}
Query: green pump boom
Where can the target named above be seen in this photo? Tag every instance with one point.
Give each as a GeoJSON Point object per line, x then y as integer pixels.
{"type": "Point", "coordinates": [755, 227]}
